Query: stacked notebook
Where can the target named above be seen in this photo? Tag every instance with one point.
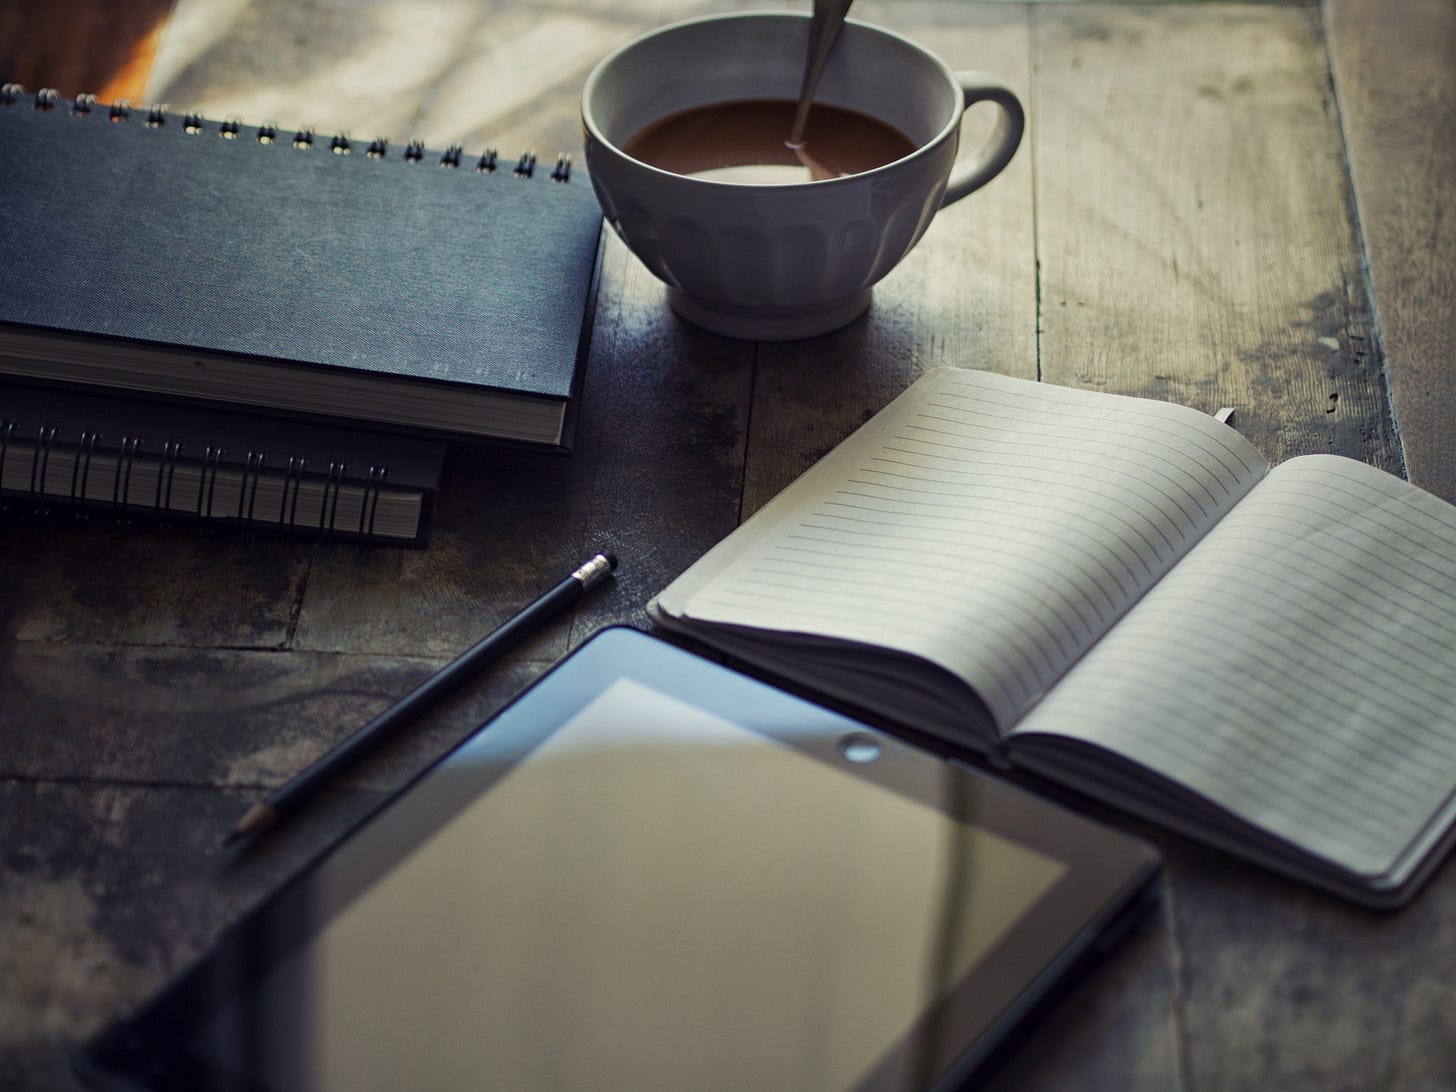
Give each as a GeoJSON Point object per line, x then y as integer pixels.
{"type": "Point", "coordinates": [124, 456]}
{"type": "Point", "coordinates": [245, 306]}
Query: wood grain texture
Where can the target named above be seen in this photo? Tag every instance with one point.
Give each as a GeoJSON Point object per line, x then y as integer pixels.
{"type": "Point", "coordinates": [667, 417]}
{"type": "Point", "coordinates": [135, 583]}
{"type": "Point", "coordinates": [242, 720]}
{"type": "Point", "coordinates": [1195, 226]}
{"type": "Point", "coordinates": [1284, 988]}
{"type": "Point", "coordinates": [91, 925]}
{"type": "Point", "coordinates": [1395, 75]}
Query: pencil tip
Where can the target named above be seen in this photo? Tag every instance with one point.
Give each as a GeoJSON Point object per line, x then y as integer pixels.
{"type": "Point", "coordinates": [259, 816]}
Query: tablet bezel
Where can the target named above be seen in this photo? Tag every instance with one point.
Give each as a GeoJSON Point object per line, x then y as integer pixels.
{"type": "Point", "coordinates": [1107, 873]}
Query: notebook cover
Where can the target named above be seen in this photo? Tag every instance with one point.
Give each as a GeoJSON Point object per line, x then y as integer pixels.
{"type": "Point", "coordinates": [196, 235]}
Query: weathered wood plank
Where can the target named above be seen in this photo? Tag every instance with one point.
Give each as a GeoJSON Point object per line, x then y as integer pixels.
{"type": "Point", "coordinates": [234, 719]}
{"type": "Point", "coordinates": [95, 581]}
{"type": "Point", "coordinates": [1195, 225]}
{"type": "Point", "coordinates": [666, 425]}
{"type": "Point", "coordinates": [966, 295]}
{"type": "Point", "coordinates": [1316, 994]}
{"type": "Point", "coordinates": [1197, 243]}
{"type": "Point", "coordinates": [1395, 77]}
{"type": "Point", "coordinates": [107, 891]}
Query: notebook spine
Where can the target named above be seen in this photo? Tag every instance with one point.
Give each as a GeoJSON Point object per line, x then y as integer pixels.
{"type": "Point", "coordinates": [41, 473]}
{"type": "Point", "coordinates": [304, 138]}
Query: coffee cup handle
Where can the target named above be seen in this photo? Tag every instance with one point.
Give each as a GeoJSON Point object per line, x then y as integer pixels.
{"type": "Point", "coordinates": [1000, 146]}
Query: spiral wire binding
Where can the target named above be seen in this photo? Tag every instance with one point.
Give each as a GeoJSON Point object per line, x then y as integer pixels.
{"type": "Point", "coordinates": [81, 468]}
{"type": "Point", "coordinates": [167, 473]}
{"type": "Point", "coordinates": [40, 461]}
{"type": "Point", "coordinates": [131, 451]}
{"type": "Point", "coordinates": [211, 463]}
{"type": "Point", "coordinates": [329, 506]}
{"type": "Point", "coordinates": [193, 123]}
{"type": "Point", "coordinates": [296, 467]}
{"type": "Point", "coordinates": [248, 487]}
{"type": "Point", "coordinates": [370, 502]}
{"type": "Point", "coordinates": [121, 485]}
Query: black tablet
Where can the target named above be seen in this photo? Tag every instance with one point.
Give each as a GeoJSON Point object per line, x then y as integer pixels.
{"type": "Point", "coordinates": [649, 872]}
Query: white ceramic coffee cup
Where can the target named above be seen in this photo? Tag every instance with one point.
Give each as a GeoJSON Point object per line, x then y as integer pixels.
{"type": "Point", "coordinates": [783, 261]}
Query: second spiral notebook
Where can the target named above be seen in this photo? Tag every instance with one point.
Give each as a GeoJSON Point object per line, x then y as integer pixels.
{"type": "Point", "coordinates": [269, 270]}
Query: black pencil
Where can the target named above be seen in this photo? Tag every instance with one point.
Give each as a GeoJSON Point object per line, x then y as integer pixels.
{"type": "Point", "coordinates": [271, 808]}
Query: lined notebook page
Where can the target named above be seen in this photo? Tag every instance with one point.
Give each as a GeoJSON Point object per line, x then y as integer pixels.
{"type": "Point", "coordinates": [994, 526]}
{"type": "Point", "coordinates": [1298, 668]}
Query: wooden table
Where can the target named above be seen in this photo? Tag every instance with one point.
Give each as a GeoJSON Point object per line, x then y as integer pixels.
{"type": "Point", "coordinates": [1240, 205]}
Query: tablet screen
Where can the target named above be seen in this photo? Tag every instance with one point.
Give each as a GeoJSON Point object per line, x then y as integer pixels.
{"type": "Point", "coordinates": [652, 890]}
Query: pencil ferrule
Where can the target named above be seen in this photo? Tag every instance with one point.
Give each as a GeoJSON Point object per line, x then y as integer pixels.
{"type": "Point", "coordinates": [593, 572]}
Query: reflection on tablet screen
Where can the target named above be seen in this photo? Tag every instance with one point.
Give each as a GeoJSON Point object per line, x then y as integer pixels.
{"type": "Point", "coordinates": [655, 898]}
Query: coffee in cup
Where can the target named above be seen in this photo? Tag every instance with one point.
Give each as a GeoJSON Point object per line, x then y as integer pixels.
{"type": "Point", "coordinates": [743, 142]}
{"type": "Point", "coordinates": [794, 253]}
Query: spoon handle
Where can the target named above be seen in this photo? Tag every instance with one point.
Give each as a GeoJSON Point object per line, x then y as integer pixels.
{"type": "Point", "coordinates": [824, 27]}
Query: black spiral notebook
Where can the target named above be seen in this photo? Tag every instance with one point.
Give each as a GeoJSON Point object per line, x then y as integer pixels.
{"type": "Point", "coordinates": [72, 454]}
{"type": "Point", "coordinates": [282, 271]}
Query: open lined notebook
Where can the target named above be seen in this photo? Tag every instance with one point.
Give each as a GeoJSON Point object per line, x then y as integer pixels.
{"type": "Point", "coordinates": [1123, 596]}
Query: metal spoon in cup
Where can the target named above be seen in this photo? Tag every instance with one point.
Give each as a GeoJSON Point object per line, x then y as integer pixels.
{"type": "Point", "coordinates": [824, 27]}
